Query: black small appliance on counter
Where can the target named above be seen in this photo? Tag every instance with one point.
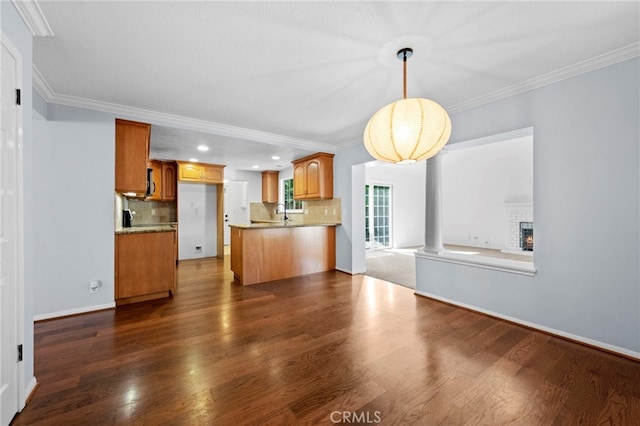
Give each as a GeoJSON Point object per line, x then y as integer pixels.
{"type": "Point", "coordinates": [127, 218]}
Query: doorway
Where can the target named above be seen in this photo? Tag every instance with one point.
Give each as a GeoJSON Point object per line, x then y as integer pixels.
{"type": "Point", "coordinates": [377, 217]}
{"type": "Point", "coordinates": [235, 206]}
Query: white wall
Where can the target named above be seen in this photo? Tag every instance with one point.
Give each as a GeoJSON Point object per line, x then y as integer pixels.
{"type": "Point", "coordinates": [73, 182]}
{"type": "Point", "coordinates": [197, 210]}
{"type": "Point", "coordinates": [408, 210]}
{"type": "Point", "coordinates": [253, 179]}
{"type": "Point", "coordinates": [349, 179]}
{"type": "Point", "coordinates": [476, 182]}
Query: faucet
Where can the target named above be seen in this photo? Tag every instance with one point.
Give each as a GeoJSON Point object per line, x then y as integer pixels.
{"type": "Point", "coordinates": [284, 207]}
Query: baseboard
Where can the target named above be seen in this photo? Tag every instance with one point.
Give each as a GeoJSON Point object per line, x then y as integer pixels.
{"type": "Point", "coordinates": [548, 330]}
{"type": "Point", "coordinates": [348, 271]}
{"type": "Point", "coordinates": [30, 389]}
{"type": "Point", "coordinates": [69, 312]}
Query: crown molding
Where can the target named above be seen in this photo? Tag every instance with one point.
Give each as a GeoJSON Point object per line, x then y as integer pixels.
{"type": "Point", "coordinates": [180, 121]}
{"type": "Point", "coordinates": [592, 64]}
{"type": "Point", "coordinates": [33, 17]}
{"type": "Point", "coordinates": [40, 84]}
{"type": "Point", "coordinates": [350, 143]}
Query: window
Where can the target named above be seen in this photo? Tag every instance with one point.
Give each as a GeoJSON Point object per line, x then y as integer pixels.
{"type": "Point", "coordinates": [289, 202]}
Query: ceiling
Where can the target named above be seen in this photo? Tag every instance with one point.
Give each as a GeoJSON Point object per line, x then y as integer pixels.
{"type": "Point", "coordinates": [256, 79]}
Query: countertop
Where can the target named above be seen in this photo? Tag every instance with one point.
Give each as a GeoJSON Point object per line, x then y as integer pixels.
{"type": "Point", "coordinates": [138, 229]}
{"type": "Point", "coordinates": [279, 224]}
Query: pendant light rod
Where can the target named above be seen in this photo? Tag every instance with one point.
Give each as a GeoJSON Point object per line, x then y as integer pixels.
{"type": "Point", "coordinates": [404, 54]}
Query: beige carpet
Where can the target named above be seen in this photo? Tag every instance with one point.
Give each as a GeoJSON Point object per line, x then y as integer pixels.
{"type": "Point", "coordinates": [397, 266]}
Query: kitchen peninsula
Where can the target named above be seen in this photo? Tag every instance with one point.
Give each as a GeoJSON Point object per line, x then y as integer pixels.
{"type": "Point", "coordinates": [262, 252]}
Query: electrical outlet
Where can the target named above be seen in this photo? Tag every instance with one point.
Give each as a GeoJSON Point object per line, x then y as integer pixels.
{"type": "Point", "coordinates": [198, 249]}
{"type": "Point", "coordinates": [94, 286]}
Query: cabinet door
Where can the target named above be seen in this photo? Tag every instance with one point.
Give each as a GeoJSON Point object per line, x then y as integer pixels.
{"type": "Point", "coordinates": [145, 263]}
{"type": "Point", "coordinates": [190, 173]}
{"type": "Point", "coordinates": [156, 184]}
{"type": "Point", "coordinates": [132, 154]}
{"type": "Point", "coordinates": [212, 174]}
{"type": "Point", "coordinates": [312, 174]}
{"type": "Point", "coordinates": [168, 181]}
{"type": "Point", "coordinates": [270, 186]}
{"type": "Point", "coordinates": [299, 181]}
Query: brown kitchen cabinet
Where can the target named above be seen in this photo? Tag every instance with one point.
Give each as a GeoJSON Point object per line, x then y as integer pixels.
{"type": "Point", "coordinates": [132, 154]}
{"type": "Point", "coordinates": [270, 186]}
{"type": "Point", "coordinates": [313, 177]}
{"type": "Point", "coordinates": [169, 181]}
{"type": "Point", "coordinates": [156, 184]}
{"type": "Point", "coordinates": [145, 265]}
{"type": "Point", "coordinates": [200, 172]}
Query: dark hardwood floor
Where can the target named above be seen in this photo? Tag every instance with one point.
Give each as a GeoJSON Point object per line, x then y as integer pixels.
{"type": "Point", "coordinates": [321, 349]}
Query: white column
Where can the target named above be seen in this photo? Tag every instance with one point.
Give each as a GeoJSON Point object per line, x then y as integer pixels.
{"type": "Point", "coordinates": [433, 208]}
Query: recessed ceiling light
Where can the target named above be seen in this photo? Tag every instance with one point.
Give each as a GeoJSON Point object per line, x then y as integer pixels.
{"type": "Point", "coordinates": [275, 157]}
{"type": "Point", "coordinates": [255, 166]}
{"type": "Point", "coordinates": [203, 148]}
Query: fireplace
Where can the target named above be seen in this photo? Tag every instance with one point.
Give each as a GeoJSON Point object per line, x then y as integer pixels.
{"type": "Point", "coordinates": [526, 236]}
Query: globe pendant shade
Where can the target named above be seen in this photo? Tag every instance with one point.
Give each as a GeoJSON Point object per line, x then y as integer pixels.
{"type": "Point", "coordinates": [407, 131]}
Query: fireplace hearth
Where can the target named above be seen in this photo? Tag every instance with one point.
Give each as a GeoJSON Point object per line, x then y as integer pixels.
{"type": "Point", "coordinates": [526, 236]}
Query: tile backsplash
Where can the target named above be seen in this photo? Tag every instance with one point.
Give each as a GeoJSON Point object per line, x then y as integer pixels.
{"type": "Point", "coordinates": [151, 212]}
{"type": "Point", "coordinates": [314, 211]}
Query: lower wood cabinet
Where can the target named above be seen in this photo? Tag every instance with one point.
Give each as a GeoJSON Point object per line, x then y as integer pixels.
{"type": "Point", "coordinates": [145, 266]}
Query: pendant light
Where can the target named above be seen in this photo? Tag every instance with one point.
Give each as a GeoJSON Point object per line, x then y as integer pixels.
{"type": "Point", "coordinates": [407, 130]}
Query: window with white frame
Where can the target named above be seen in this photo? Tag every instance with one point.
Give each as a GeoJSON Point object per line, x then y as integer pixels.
{"type": "Point", "coordinates": [287, 191]}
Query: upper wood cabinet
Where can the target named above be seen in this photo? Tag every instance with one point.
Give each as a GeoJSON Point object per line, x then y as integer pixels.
{"type": "Point", "coordinates": [270, 186]}
{"type": "Point", "coordinates": [163, 187]}
{"type": "Point", "coordinates": [200, 172]}
{"type": "Point", "coordinates": [212, 173]}
{"type": "Point", "coordinates": [169, 181]}
{"type": "Point", "coordinates": [313, 177]}
{"type": "Point", "coordinates": [132, 154]}
{"type": "Point", "coordinates": [156, 184]}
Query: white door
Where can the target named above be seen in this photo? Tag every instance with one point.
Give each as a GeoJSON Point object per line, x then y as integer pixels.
{"type": "Point", "coordinates": [235, 206]}
{"type": "Point", "coordinates": [10, 234]}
